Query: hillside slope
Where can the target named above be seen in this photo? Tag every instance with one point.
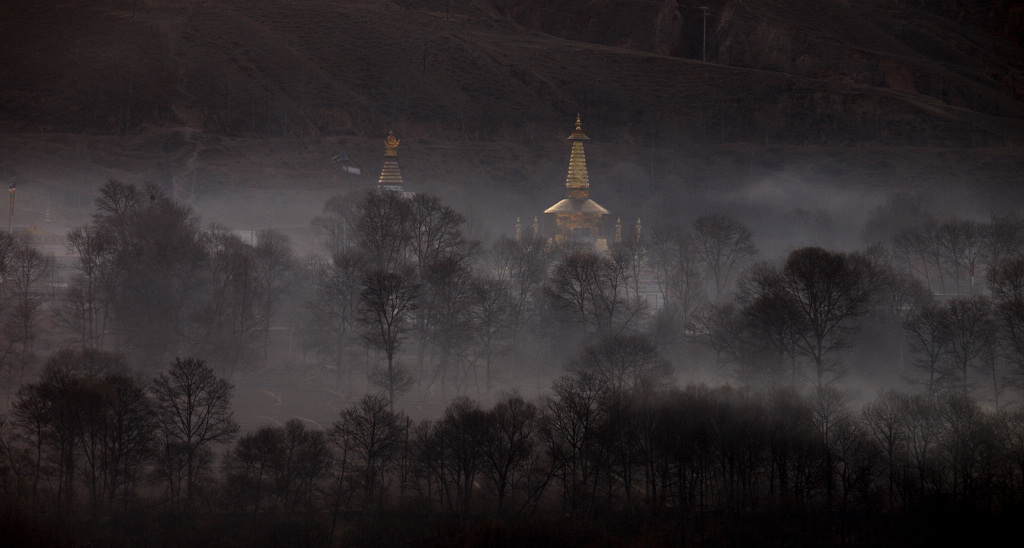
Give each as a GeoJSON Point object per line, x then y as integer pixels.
{"type": "Point", "coordinates": [966, 54]}
{"type": "Point", "coordinates": [253, 98]}
{"type": "Point", "coordinates": [816, 72]}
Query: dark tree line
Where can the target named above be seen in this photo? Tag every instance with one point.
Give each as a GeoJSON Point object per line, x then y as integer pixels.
{"type": "Point", "coordinates": [91, 439]}
{"type": "Point", "coordinates": [613, 451]}
{"type": "Point", "coordinates": [951, 256]}
{"type": "Point", "coordinates": [804, 317]}
{"type": "Point", "coordinates": [110, 445]}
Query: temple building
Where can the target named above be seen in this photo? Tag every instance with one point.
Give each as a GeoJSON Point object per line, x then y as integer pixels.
{"type": "Point", "coordinates": [390, 176]}
{"type": "Point", "coordinates": [577, 216]}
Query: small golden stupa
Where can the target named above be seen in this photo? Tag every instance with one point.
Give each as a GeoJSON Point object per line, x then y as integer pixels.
{"type": "Point", "coordinates": [577, 216]}
{"type": "Point", "coordinates": [390, 176]}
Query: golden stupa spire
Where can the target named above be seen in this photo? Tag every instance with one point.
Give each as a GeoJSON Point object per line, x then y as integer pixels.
{"type": "Point", "coordinates": [519, 231]}
{"type": "Point", "coordinates": [639, 232]}
{"type": "Point", "coordinates": [390, 176]}
{"type": "Point", "coordinates": [391, 145]}
{"type": "Point", "coordinates": [536, 227]}
{"type": "Point", "coordinates": [577, 216]}
{"type": "Point", "coordinates": [578, 182]}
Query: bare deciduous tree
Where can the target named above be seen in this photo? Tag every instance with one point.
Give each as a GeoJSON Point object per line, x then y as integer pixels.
{"type": "Point", "coordinates": [383, 230]}
{"type": "Point", "coordinates": [624, 364]}
{"type": "Point", "coordinates": [193, 408]}
{"type": "Point", "coordinates": [972, 334]}
{"type": "Point", "coordinates": [334, 310]}
{"type": "Point", "coordinates": [26, 268]}
{"type": "Point", "coordinates": [462, 434]}
{"type": "Point", "coordinates": [85, 306]}
{"type": "Point", "coordinates": [593, 293]}
{"type": "Point", "coordinates": [387, 302]}
{"type": "Point", "coordinates": [373, 435]}
{"type": "Point", "coordinates": [509, 448]}
{"type": "Point", "coordinates": [673, 256]}
{"type": "Point", "coordinates": [524, 265]}
{"type": "Point", "coordinates": [492, 322]}
{"type": "Point", "coordinates": [723, 245]}
{"type": "Point", "coordinates": [1007, 282]}
{"type": "Point", "coordinates": [274, 273]}
{"type": "Point", "coordinates": [436, 233]}
{"type": "Point", "coordinates": [1004, 240]}
{"type": "Point", "coordinates": [830, 291]}
{"type": "Point", "coordinates": [447, 293]}
{"type": "Point", "coordinates": [960, 244]}
{"type": "Point", "coordinates": [929, 336]}
{"type": "Point", "coordinates": [335, 227]}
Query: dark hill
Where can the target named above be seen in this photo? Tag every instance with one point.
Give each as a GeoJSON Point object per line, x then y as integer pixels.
{"type": "Point", "coordinates": [243, 94]}
{"type": "Point", "coordinates": [794, 71]}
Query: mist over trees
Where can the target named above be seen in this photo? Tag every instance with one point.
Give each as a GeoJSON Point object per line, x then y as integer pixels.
{"type": "Point", "coordinates": [150, 283]}
{"type": "Point", "coordinates": [574, 403]}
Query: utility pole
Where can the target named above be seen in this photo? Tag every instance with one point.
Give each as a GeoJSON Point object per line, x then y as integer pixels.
{"type": "Point", "coordinates": [10, 217]}
{"type": "Point", "coordinates": [704, 42]}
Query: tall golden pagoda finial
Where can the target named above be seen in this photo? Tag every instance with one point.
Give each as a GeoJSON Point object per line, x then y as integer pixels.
{"type": "Point", "coordinates": [577, 181]}
{"type": "Point", "coordinates": [536, 227]}
{"type": "Point", "coordinates": [519, 231]}
{"type": "Point", "coordinates": [618, 230]}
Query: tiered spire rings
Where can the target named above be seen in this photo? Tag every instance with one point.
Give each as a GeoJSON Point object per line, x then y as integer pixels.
{"type": "Point", "coordinates": [390, 176]}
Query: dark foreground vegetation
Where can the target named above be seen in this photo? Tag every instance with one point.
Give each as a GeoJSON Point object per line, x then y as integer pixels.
{"type": "Point", "coordinates": [93, 457]}
{"type": "Point", "coordinates": [113, 437]}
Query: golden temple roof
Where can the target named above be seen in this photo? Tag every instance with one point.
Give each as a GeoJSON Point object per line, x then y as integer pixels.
{"type": "Point", "coordinates": [390, 176]}
{"type": "Point", "coordinates": [571, 205]}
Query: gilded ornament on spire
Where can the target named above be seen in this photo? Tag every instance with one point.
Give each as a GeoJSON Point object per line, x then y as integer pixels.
{"type": "Point", "coordinates": [391, 145]}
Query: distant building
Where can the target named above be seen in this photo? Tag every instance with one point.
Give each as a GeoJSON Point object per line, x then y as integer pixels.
{"type": "Point", "coordinates": [390, 176]}
{"type": "Point", "coordinates": [577, 216]}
